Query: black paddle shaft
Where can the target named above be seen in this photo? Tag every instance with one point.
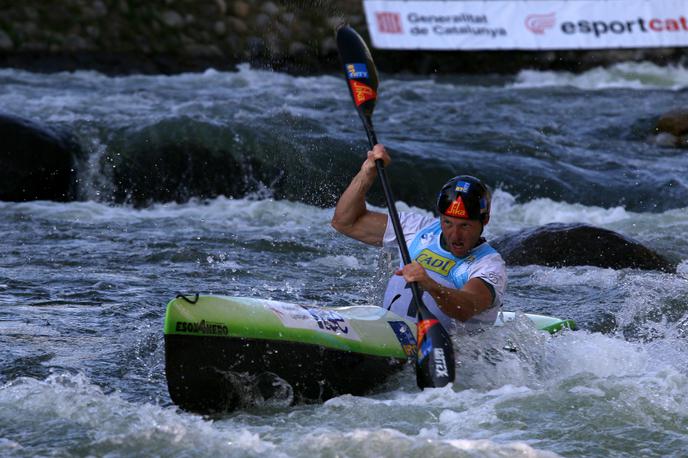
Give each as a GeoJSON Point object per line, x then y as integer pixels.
{"type": "Point", "coordinates": [435, 365]}
{"type": "Point", "coordinates": [394, 215]}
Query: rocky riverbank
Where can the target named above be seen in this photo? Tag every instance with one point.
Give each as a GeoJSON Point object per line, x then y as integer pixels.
{"type": "Point", "coordinates": [128, 36]}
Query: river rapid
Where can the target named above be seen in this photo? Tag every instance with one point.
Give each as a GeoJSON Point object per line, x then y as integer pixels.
{"type": "Point", "coordinates": [83, 284]}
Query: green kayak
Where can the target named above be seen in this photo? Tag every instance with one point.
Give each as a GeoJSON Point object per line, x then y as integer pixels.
{"type": "Point", "coordinates": [221, 352]}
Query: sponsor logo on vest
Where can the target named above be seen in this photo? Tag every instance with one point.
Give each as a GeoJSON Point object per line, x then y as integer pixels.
{"type": "Point", "coordinates": [457, 209]}
{"type": "Point", "coordinates": [362, 92]}
{"type": "Point", "coordinates": [433, 261]}
{"type": "Point", "coordinates": [440, 363]}
{"type": "Point", "coordinates": [202, 327]}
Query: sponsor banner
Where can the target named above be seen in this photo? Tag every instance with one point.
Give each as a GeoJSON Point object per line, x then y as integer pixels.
{"type": "Point", "coordinates": [534, 24]}
{"type": "Point", "coordinates": [315, 319]}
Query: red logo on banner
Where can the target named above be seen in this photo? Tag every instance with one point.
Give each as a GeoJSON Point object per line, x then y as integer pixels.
{"type": "Point", "coordinates": [457, 209]}
{"type": "Point", "coordinates": [362, 92]}
{"type": "Point", "coordinates": [538, 23]}
{"type": "Point", "coordinates": [423, 327]}
{"type": "Point", "coordinates": [388, 22]}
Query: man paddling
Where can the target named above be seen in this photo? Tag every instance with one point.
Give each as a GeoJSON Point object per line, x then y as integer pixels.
{"type": "Point", "coordinates": [462, 276]}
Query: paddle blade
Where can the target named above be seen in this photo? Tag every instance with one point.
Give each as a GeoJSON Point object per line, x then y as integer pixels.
{"type": "Point", "coordinates": [435, 366]}
{"type": "Point", "coordinates": [359, 70]}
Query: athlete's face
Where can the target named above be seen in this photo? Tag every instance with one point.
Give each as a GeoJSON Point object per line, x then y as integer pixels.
{"type": "Point", "coordinates": [461, 235]}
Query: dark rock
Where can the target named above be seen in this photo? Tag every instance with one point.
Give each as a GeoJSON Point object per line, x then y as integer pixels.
{"type": "Point", "coordinates": [560, 245]}
{"type": "Point", "coordinates": [172, 19]}
{"type": "Point", "coordinates": [262, 21]}
{"type": "Point", "coordinates": [270, 8]}
{"type": "Point", "coordinates": [674, 122]}
{"type": "Point", "coordinates": [176, 160]}
{"type": "Point", "coordinates": [38, 162]}
{"type": "Point", "coordinates": [297, 48]}
{"type": "Point", "coordinates": [220, 28]}
{"type": "Point", "coordinates": [237, 26]}
{"type": "Point", "coordinates": [221, 6]}
{"type": "Point", "coordinates": [241, 9]}
{"type": "Point", "coordinates": [6, 42]}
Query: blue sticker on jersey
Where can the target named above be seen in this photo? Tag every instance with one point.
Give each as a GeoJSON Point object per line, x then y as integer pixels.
{"type": "Point", "coordinates": [356, 71]}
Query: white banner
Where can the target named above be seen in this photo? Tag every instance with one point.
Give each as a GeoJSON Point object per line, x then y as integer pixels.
{"type": "Point", "coordinates": [527, 24]}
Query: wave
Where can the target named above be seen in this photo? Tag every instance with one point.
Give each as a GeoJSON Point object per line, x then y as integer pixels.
{"type": "Point", "coordinates": [172, 138]}
{"type": "Point", "coordinates": [661, 231]}
{"type": "Point", "coordinates": [626, 75]}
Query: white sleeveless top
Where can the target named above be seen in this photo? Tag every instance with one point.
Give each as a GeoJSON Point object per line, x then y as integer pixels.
{"type": "Point", "coordinates": [422, 234]}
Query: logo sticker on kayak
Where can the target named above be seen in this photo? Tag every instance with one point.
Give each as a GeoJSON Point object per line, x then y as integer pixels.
{"type": "Point", "coordinates": [405, 337]}
{"type": "Point", "coordinates": [202, 327]}
{"type": "Point", "coordinates": [315, 319]}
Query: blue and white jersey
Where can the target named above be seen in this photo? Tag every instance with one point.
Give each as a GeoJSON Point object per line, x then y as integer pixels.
{"type": "Point", "coordinates": [422, 234]}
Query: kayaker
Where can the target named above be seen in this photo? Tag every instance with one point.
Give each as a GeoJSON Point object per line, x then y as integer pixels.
{"type": "Point", "coordinates": [462, 276]}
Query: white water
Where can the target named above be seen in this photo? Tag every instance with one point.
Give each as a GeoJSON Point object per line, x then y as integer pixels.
{"type": "Point", "coordinates": [627, 75]}
{"type": "Point", "coordinates": [83, 285]}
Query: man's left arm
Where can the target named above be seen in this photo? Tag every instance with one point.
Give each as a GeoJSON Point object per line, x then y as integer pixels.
{"type": "Point", "coordinates": [461, 304]}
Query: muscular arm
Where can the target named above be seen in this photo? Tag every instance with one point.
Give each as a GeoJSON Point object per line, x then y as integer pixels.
{"type": "Point", "coordinates": [461, 304]}
{"type": "Point", "coordinates": [351, 216]}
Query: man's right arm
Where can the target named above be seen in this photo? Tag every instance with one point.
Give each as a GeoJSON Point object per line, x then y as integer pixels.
{"type": "Point", "coordinates": [351, 216]}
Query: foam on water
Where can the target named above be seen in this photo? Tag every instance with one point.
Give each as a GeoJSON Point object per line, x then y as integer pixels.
{"type": "Point", "coordinates": [233, 212]}
{"type": "Point", "coordinates": [88, 96]}
{"type": "Point", "coordinates": [280, 217]}
{"type": "Point", "coordinates": [96, 423]}
{"type": "Point", "coordinates": [627, 75]}
{"type": "Point", "coordinates": [347, 262]}
{"type": "Point", "coordinates": [507, 212]}
{"type": "Point", "coordinates": [574, 276]}
{"type": "Point", "coordinates": [112, 425]}
{"type": "Point", "coordinates": [665, 228]}
{"type": "Point", "coordinates": [503, 403]}
{"type": "Point", "coordinates": [550, 383]}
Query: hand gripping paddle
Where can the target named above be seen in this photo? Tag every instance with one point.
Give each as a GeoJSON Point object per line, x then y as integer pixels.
{"type": "Point", "coordinates": [435, 352]}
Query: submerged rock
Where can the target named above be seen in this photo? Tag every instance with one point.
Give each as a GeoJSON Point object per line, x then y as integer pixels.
{"type": "Point", "coordinates": [560, 245]}
{"type": "Point", "coordinates": [672, 128]}
{"type": "Point", "coordinates": [179, 158]}
{"type": "Point", "coordinates": [39, 162]}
